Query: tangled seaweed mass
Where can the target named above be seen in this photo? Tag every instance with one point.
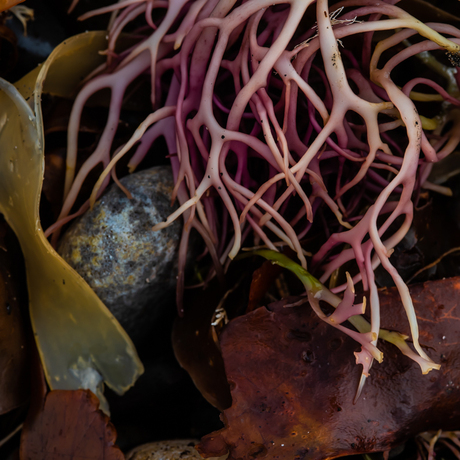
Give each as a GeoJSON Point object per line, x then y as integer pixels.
{"type": "Point", "coordinates": [280, 117]}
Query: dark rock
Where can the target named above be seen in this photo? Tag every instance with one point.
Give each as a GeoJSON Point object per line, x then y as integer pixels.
{"type": "Point", "coordinates": [130, 267]}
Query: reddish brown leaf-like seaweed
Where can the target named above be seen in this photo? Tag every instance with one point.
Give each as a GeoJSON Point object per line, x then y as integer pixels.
{"type": "Point", "coordinates": [14, 356]}
{"type": "Point", "coordinates": [293, 381]}
{"type": "Point", "coordinates": [70, 427]}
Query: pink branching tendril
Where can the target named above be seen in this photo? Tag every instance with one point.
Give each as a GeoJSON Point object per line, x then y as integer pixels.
{"type": "Point", "coordinates": [268, 128]}
{"type": "Point", "coordinates": [429, 440]}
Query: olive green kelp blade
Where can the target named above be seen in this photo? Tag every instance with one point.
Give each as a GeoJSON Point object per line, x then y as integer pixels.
{"type": "Point", "coordinates": [80, 342]}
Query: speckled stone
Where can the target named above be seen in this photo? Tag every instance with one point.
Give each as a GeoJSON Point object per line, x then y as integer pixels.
{"type": "Point", "coordinates": [130, 267]}
{"type": "Point", "coordinates": [181, 449]}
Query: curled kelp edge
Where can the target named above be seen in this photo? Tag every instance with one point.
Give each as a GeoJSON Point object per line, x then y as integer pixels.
{"type": "Point", "coordinates": [80, 342]}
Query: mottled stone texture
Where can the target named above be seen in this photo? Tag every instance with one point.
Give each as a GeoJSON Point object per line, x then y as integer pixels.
{"type": "Point", "coordinates": [130, 267]}
{"type": "Point", "coordinates": [179, 449]}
